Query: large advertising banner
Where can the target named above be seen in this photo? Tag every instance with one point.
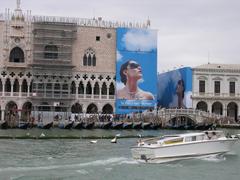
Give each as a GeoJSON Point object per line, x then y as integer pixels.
{"type": "Point", "coordinates": [136, 70]}
{"type": "Point", "coordinates": [175, 88]}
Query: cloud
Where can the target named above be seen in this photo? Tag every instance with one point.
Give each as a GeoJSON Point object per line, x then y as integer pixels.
{"type": "Point", "coordinates": [140, 40]}
{"type": "Point", "coordinates": [119, 56]}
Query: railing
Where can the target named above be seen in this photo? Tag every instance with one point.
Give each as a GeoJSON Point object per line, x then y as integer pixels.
{"type": "Point", "coordinates": [56, 96]}
{"type": "Point", "coordinates": [225, 95]}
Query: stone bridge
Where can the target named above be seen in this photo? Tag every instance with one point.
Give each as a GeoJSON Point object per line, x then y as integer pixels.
{"type": "Point", "coordinates": [184, 116]}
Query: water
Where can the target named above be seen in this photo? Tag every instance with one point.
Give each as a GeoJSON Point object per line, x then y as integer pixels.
{"type": "Point", "coordinates": [60, 159]}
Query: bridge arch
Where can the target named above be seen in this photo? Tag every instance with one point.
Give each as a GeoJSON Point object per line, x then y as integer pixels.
{"type": "Point", "coordinates": [181, 122]}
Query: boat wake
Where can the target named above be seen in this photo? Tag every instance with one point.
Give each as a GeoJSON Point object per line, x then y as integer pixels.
{"type": "Point", "coordinates": [106, 162]}
{"type": "Point", "coordinates": [214, 158]}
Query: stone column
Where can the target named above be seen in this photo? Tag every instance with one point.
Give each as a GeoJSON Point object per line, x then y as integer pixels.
{"type": "Point", "coordinates": [84, 95]}
{"type": "Point", "coordinates": [107, 92]}
{"type": "Point", "coordinates": [12, 88]}
{"type": "Point", "coordinates": [100, 92]}
{"type": "Point", "coordinates": [3, 88]}
{"type": "Point", "coordinates": [20, 89]}
{"type": "Point", "coordinates": [76, 96]}
{"type": "Point", "coordinates": [92, 95]}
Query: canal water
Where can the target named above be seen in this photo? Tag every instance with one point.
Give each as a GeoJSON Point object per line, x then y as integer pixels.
{"type": "Point", "coordinates": [74, 159]}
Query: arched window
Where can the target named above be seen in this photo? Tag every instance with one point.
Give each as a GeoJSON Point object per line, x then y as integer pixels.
{"type": "Point", "coordinates": [111, 89]}
{"type": "Point", "coordinates": [16, 55]}
{"type": "Point", "coordinates": [81, 88]}
{"type": "Point", "coordinates": [85, 60]}
{"type": "Point", "coordinates": [96, 88]}
{"type": "Point", "coordinates": [1, 86]}
{"type": "Point", "coordinates": [94, 60]}
{"type": "Point", "coordinates": [89, 58]}
{"type": "Point", "coordinates": [24, 86]}
{"type": "Point", "coordinates": [16, 86]}
{"type": "Point", "coordinates": [104, 89]}
{"type": "Point", "coordinates": [73, 88]}
{"type": "Point", "coordinates": [8, 85]}
{"type": "Point", "coordinates": [51, 52]}
{"type": "Point", "coordinates": [89, 88]}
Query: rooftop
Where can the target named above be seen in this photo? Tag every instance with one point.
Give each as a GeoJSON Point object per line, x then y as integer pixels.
{"type": "Point", "coordinates": [218, 66]}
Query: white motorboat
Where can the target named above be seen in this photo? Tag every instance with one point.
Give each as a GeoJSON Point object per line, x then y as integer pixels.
{"type": "Point", "coordinates": [183, 146]}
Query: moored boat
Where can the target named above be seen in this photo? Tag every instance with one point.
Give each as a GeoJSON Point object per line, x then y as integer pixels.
{"type": "Point", "coordinates": [137, 125]}
{"type": "Point", "coordinates": [117, 125]}
{"type": "Point", "coordinates": [45, 126]}
{"type": "Point", "coordinates": [23, 125]}
{"type": "Point", "coordinates": [78, 125]}
{"type": "Point", "coordinates": [182, 146]}
{"type": "Point", "coordinates": [3, 125]}
{"type": "Point", "coordinates": [106, 125]}
{"type": "Point", "coordinates": [127, 125]}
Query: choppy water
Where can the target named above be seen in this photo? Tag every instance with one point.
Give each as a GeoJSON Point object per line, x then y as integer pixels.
{"type": "Point", "coordinates": [58, 159]}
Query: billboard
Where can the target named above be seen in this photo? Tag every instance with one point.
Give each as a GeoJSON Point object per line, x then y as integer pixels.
{"type": "Point", "coordinates": [136, 70]}
{"type": "Point", "coordinates": [175, 88]}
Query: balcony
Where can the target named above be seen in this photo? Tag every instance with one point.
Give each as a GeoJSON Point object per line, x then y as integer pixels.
{"type": "Point", "coordinates": [197, 95]}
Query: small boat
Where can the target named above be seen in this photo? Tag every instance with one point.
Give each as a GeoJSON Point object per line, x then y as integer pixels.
{"type": "Point", "coordinates": [106, 125]}
{"type": "Point", "coordinates": [146, 125]}
{"type": "Point", "coordinates": [4, 125]}
{"type": "Point", "coordinates": [93, 141]}
{"type": "Point", "coordinates": [45, 126]}
{"type": "Point", "coordinates": [117, 125]}
{"type": "Point", "coordinates": [78, 125]}
{"type": "Point", "coordinates": [137, 125]}
{"type": "Point", "coordinates": [127, 125]}
{"type": "Point", "coordinates": [23, 125]}
{"type": "Point", "coordinates": [183, 146]}
{"type": "Point", "coordinates": [89, 125]}
{"type": "Point", "coordinates": [67, 125]}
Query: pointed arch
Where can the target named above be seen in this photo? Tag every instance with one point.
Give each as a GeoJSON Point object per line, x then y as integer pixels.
{"type": "Point", "coordinates": [111, 89]}
{"type": "Point", "coordinates": [73, 88]}
{"type": "Point", "coordinates": [76, 108]}
{"type": "Point", "coordinates": [1, 86]}
{"type": "Point", "coordinates": [104, 89]}
{"type": "Point", "coordinates": [92, 109]}
{"type": "Point", "coordinates": [24, 86]}
{"type": "Point", "coordinates": [11, 110]}
{"type": "Point", "coordinates": [89, 88]}
{"type": "Point", "coordinates": [81, 88]}
{"type": "Point", "coordinates": [107, 109]}
{"type": "Point", "coordinates": [16, 55]}
{"type": "Point", "coordinates": [89, 60]}
{"type": "Point", "coordinates": [16, 86]}
{"type": "Point", "coordinates": [96, 88]}
{"type": "Point", "coordinates": [94, 60]}
{"type": "Point", "coordinates": [85, 60]}
{"type": "Point", "coordinates": [26, 111]}
{"type": "Point", "coordinates": [8, 85]}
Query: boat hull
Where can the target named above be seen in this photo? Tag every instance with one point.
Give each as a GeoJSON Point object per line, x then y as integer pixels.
{"type": "Point", "coordinates": [182, 151]}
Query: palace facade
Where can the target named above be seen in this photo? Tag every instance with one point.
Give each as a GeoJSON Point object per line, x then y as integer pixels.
{"type": "Point", "coordinates": [57, 64]}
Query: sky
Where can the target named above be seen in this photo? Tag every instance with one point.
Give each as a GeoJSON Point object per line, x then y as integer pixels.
{"type": "Point", "coordinates": [190, 32]}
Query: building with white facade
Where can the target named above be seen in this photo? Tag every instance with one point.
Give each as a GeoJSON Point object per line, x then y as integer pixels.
{"type": "Point", "coordinates": [216, 88]}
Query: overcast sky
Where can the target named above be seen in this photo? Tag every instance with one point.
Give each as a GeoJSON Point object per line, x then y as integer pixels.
{"type": "Point", "coordinates": [190, 32]}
